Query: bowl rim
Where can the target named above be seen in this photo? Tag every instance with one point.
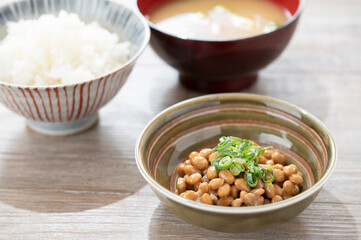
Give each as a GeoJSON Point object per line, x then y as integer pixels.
{"type": "Point", "coordinates": [297, 14]}
{"type": "Point", "coordinates": [123, 66]}
{"type": "Point", "coordinates": [228, 210]}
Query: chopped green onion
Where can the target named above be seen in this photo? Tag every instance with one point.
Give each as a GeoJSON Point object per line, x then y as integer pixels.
{"type": "Point", "coordinates": [215, 163]}
{"type": "Point", "coordinates": [235, 170]}
{"type": "Point", "coordinates": [236, 140]}
{"type": "Point", "coordinates": [231, 153]}
{"type": "Point", "coordinates": [273, 176]}
{"type": "Point", "coordinates": [251, 179]}
{"type": "Point", "coordinates": [240, 155]}
{"type": "Point", "coordinates": [249, 154]}
{"type": "Point", "coordinates": [244, 145]}
{"type": "Point", "coordinates": [237, 166]}
{"type": "Point", "coordinates": [251, 166]}
{"type": "Point", "coordinates": [225, 163]}
{"type": "Point", "coordinates": [240, 161]}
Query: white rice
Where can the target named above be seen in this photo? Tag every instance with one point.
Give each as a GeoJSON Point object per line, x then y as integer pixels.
{"type": "Point", "coordinates": [59, 50]}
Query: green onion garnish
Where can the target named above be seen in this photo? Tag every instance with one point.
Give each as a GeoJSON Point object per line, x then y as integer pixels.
{"type": "Point", "coordinates": [266, 172]}
{"type": "Point", "coordinates": [215, 163]}
{"type": "Point", "coordinates": [235, 170]}
{"type": "Point", "coordinates": [225, 163]}
{"type": "Point", "coordinates": [240, 155]}
{"type": "Point", "coordinates": [251, 179]}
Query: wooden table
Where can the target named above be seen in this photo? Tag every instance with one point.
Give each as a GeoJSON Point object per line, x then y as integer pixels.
{"type": "Point", "coordinates": [88, 186]}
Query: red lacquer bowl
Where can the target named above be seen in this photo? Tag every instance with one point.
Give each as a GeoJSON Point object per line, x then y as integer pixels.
{"type": "Point", "coordinates": [221, 66]}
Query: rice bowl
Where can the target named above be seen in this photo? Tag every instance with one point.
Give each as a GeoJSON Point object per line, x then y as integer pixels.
{"type": "Point", "coordinates": [66, 109]}
{"type": "Point", "coordinates": [61, 49]}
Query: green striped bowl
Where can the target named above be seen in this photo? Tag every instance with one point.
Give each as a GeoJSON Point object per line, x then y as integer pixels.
{"type": "Point", "coordinates": [200, 122]}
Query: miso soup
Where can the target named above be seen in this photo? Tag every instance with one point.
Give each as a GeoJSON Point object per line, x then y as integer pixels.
{"type": "Point", "coordinates": [219, 19]}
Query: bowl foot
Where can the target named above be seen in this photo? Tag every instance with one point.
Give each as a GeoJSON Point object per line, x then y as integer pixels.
{"type": "Point", "coordinates": [63, 129]}
{"type": "Point", "coordinates": [209, 85]}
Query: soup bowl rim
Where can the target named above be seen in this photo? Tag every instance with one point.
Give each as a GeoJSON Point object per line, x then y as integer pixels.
{"type": "Point", "coordinates": [154, 26]}
{"type": "Point", "coordinates": [231, 210]}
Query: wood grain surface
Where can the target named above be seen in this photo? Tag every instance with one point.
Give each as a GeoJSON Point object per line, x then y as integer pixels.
{"type": "Point", "coordinates": [88, 187]}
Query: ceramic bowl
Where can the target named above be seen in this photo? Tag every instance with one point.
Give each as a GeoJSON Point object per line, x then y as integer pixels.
{"type": "Point", "coordinates": [200, 122]}
{"type": "Point", "coordinates": [68, 109]}
{"type": "Point", "coordinates": [221, 66]}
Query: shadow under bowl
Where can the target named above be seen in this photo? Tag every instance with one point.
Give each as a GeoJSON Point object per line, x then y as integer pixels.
{"type": "Point", "coordinates": [72, 108]}
{"type": "Point", "coordinates": [200, 122]}
{"type": "Point", "coordinates": [221, 65]}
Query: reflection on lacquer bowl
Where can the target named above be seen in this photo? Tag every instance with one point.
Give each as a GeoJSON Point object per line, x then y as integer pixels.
{"type": "Point", "coordinates": [71, 108]}
{"type": "Point", "coordinates": [197, 123]}
{"type": "Point", "coordinates": [221, 65]}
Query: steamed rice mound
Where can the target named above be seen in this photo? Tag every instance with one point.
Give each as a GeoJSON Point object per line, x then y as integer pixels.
{"type": "Point", "coordinates": [59, 50]}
